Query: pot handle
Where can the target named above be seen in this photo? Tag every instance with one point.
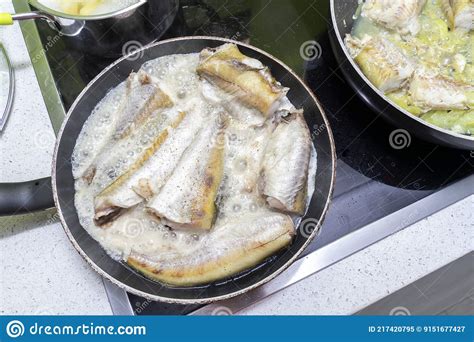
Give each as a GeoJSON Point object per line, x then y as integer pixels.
{"type": "Point", "coordinates": [8, 19]}
{"type": "Point", "coordinates": [26, 197]}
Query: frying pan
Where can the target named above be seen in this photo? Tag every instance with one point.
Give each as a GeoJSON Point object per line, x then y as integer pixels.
{"type": "Point", "coordinates": [342, 20]}
{"type": "Point", "coordinates": [118, 272]}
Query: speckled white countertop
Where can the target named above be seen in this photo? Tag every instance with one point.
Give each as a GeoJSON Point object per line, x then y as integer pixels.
{"type": "Point", "coordinates": [379, 270]}
{"type": "Point", "coordinates": [41, 273]}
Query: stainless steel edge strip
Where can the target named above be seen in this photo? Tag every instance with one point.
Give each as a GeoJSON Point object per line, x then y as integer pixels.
{"type": "Point", "coordinates": [348, 245]}
{"type": "Point", "coordinates": [41, 67]}
{"type": "Point", "coordinates": [118, 299]}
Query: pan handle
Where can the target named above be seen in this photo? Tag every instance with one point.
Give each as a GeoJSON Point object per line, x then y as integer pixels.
{"type": "Point", "coordinates": [26, 197]}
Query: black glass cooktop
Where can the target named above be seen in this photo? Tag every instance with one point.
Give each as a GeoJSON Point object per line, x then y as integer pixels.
{"type": "Point", "coordinates": [376, 175]}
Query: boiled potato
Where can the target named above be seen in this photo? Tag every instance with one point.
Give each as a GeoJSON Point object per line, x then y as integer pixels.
{"type": "Point", "coordinates": [80, 7]}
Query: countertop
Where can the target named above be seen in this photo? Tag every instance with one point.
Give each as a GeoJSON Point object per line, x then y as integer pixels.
{"type": "Point", "coordinates": [41, 273]}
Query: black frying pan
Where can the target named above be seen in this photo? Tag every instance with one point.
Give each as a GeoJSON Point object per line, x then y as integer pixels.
{"type": "Point", "coordinates": [121, 274]}
{"type": "Point", "coordinates": [342, 19]}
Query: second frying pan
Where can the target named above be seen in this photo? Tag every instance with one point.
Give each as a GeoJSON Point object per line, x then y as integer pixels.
{"type": "Point", "coordinates": [342, 20]}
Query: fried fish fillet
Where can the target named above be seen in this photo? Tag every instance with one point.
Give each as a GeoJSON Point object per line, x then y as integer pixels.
{"type": "Point", "coordinates": [460, 13]}
{"type": "Point", "coordinates": [141, 107]}
{"type": "Point", "coordinates": [244, 77]}
{"type": "Point", "coordinates": [187, 199]}
{"type": "Point", "coordinates": [463, 11]}
{"type": "Point", "coordinates": [397, 15]}
{"type": "Point", "coordinates": [284, 173]}
{"type": "Point", "coordinates": [437, 92]}
{"type": "Point", "coordinates": [147, 182]}
{"type": "Point", "coordinates": [119, 194]}
{"type": "Point", "coordinates": [145, 97]}
{"type": "Point", "coordinates": [381, 61]}
{"type": "Point", "coordinates": [149, 173]}
{"type": "Point", "coordinates": [232, 247]}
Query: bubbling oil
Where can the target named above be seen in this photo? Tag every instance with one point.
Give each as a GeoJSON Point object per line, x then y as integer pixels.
{"type": "Point", "coordinates": [244, 142]}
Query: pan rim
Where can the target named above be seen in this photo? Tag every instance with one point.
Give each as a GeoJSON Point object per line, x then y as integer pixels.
{"type": "Point", "coordinates": [206, 300]}
{"type": "Point", "coordinates": [379, 93]}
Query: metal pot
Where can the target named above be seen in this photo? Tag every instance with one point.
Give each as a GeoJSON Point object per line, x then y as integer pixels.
{"type": "Point", "coordinates": [108, 35]}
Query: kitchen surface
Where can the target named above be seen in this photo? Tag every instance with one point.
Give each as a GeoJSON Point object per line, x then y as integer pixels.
{"type": "Point", "coordinates": [398, 213]}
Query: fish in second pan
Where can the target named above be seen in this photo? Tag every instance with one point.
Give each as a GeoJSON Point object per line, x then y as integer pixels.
{"type": "Point", "coordinates": [244, 77]}
{"type": "Point", "coordinates": [284, 173]}
{"type": "Point", "coordinates": [460, 13]}
{"type": "Point", "coordinates": [381, 61]}
{"type": "Point", "coordinates": [397, 15]}
{"type": "Point", "coordinates": [430, 91]}
{"type": "Point", "coordinates": [187, 200]}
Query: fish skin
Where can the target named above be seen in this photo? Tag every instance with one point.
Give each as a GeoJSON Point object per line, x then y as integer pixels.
{"type": "Point", "coordinates": [150, 98]}
{"type": "Point", "coordinates": [148, 181]}
{"type": "Point", "coordinates": [245, 78]}
{"type": "Point", "coordinates": [119, 195]}
{"type": "Point", "coordinates": [134, 113]}
{"type": "Point", "coordinates": [463, 11]}
{"type": "Point", "coordinates": [446, 6]}
{"type": "Point", "coordinates": [430, 91]}
{"type": "Point", "coordinates": [381, 61]}
{"type": "Point", "coordinates": [253, 239]}
{"type": "Point", "coordinates": [284, 173]}
{"type": "Point", "coordinates": [459, 13]}
{"type": "Point", "coordinates": [187, 199]}
{"type": "Point", "coordinates": [148, 174]}
{"type": "Point", "coordinates": [397, 15]}
{"type": "Point", "coordinates": [107, 160]}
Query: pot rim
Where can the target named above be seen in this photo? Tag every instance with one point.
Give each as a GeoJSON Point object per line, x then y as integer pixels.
{"type": "Point", "coordinates": [63, 15]}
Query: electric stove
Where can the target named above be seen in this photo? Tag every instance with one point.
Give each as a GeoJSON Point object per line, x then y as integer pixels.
{"type": "Point", "coordinates": [387, 179]}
